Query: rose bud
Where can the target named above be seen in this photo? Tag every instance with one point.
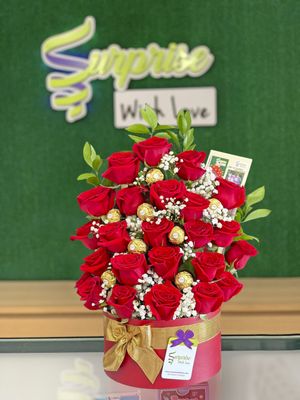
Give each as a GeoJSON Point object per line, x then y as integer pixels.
{"type": "Point", "coordinates": [96, 263]}
{"type": "Point", "coordinates": [224, 236]}
{"type": "Point", "coordinates": [195, 206]}
{"type": "Point", "coordinates": [208, 297]}
{"type": "Point", "coordinates": [230, 194]}
{"type": "Point", "coordinates": [239, 253]}
{"type": "Point", "coordinates": [229, 285]}
{"type": "Point", "coordinates": [121, 298]}
{"type": "Point", "coordinates": [89, 289]}
{"type": "Point", "coordinates": [189, 164]}
{"type": "Point", "coordinates": [156, 235]}
{"type": "Point", "coordinates": [208, 265]}
{"type": "Point", "coordinates": [151, 150]}
{"type": "Point", "coordinates": [199, 232]}
{"type": "Point", "coordinates": [165, 260]}
{"type": "Point", "coordinates": [167, 189]}
{"type": "Point", "coordinates": [96, 201]}
{"type": "Point", "coordinates": [129, 268]}
{"type": "Point", "coordinates": [86, 236]}
{"type": "Point", "coordinates": [128, 199]}
{"type": "Point", "coordinates": [123, 167]}
{"type": "Point", "coordinates": [114, 236]}
{"type": "Point", "coordinates": [163, 300]}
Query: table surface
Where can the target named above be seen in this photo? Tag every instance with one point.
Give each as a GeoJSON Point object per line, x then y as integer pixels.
{"type": "Point", "coordinates": [254, 367]}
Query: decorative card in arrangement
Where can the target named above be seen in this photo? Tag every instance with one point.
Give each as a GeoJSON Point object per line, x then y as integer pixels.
{"type": "Point", "coordinates": [229, 166]}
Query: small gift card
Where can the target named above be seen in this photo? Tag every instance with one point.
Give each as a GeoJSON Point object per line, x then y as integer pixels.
{"type": "Point", "coordinates": [197, 392]}
{"type": "Point", "coordinates": [120, 396]}
{"type": "Point", "coordinates": [180, 356]}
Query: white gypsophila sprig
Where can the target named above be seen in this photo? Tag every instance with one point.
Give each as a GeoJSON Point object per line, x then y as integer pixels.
{"type": "Point", "coordinates": [134, 226]}
{"type": "Point", "coordinates": [187, 305]}
{"type": "Point", "coordinates": [216, 213]}
{"type": "Point", "coordinates": [168, 163]}
{"type": "Point", "coordinates": [149, 279]}
{"type": "Point", "coordinates": [188, 249]}
{"type": "Point", "coordinates": [173, 208]}
{"type": "Point", "coordinates": [206, 185]}
{"type": "Point", "coordinates": [141, 178]}
{"type": "Point", "coordinates": [95, 228]}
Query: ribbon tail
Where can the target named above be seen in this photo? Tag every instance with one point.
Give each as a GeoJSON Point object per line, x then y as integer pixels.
{"type": "Point", "coordinates": [147, 360]}
{"type": "Point", "coordinates": [114, 357]}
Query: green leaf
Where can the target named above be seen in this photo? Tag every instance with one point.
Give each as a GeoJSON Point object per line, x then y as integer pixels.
{"type": "Point", "coordinates": [87, 154]}
{"type": "Point", "coordinates": [188, 119]}
{"type": "Point", "coordinates": [106, 182]}
{"type": "Point", "coordinates": [187, 266]}
{"type": "Point", "coordinates": [261, 213]}
{"type": "Point", "coordinates": [163, 135]}
{"type": "Point", "coordinates": [256, 196]}
{"type": "Point", "coordinates": [93, 180]}
{"type": "Point", "coordinates": [138, 128]}
{"type": "Point", "coordinates": [136, 138]}
{"type": "Point", "coordinates": [244, 236]}
{"type": "Point", "coordinates": [188, 140]}
{"type": "Point", "coordinates": [97, 162]}
{"type": "Point", "coordinates": [93, 153]}
{"type": "Point", "coordinates": [163, 127]}
{"type": "Point", "coordinates": [149, 116]}
{"type": "Point", "coordinates": [85, 176]}
{"type": "Point", "coordinates": [175, 139]}
{"type": "Point", "coordinates": [182, 122]}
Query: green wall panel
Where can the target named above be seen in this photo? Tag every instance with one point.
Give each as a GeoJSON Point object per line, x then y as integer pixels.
{"type": "Point", "coordinates": [254, 43]}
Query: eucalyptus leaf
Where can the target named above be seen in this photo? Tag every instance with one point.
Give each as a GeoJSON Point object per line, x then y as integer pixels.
{"type": "Point", "coordinates": [149, 116]}
{"type": "Point", "coordinates": [256, 196]}
{"type": "Point", "coordinates": [136, 138]}
{"type": "Point", "coordinates": [85, 176]}
{"type": "Point", "coordinates": [138, 128]}
{"type": "Point", "coordinates": [260, 213]}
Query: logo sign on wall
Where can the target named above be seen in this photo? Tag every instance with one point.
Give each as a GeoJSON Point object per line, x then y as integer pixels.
{"type": "Point", "coordinates": [71, 82]}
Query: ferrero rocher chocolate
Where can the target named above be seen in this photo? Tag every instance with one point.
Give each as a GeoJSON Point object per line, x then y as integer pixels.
{"type": "Point", "coordinates": [137, 246]}
{"type": "Point", "coordinates": [183, 280]}
{"type": "Point", "coordinates": [176, 236]}
{"type": "Point", "coordinates": [214, 203]}
{"type": "Point", "coordinates": [154, 175]}
{"type": "Point", "coordinates": [145, 211]}
{"type": "Point", "coordinates": [108, 278]}
{"type": "Point", "coordinates": [113, 215]}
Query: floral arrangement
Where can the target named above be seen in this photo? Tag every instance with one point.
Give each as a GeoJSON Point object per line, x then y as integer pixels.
{"type": "Point", "coordinates": [165, 230]}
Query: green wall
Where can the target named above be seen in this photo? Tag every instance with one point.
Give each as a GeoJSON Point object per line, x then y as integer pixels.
{"type": "Point", "coordinates": [254, 43]}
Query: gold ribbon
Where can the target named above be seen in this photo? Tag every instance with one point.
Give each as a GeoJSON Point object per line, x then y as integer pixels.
{"type": "Point", "coordinates": [140, 341]}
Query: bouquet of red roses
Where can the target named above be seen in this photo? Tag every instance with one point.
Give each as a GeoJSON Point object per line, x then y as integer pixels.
{"type": "Point", "coordinates": [165, 230]}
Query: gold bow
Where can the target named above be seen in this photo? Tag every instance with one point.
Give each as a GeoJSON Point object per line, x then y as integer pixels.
{"type": "Point", "coordinates": [136, 341]}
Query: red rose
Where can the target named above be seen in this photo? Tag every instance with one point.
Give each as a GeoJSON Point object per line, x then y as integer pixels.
{"type": "Point", "coordinates": [199, 232]}
{"type": "Point", "coordinates": [128, 199]}
{"type": "Point", "coordinates": [85, 234]}
{"type": "Point", "coordinates": [208, 265]}
{"type": "Point", "coordinates": [151, 150]}
{"type": "Point", "coordinates": [208, 297]}
{"type": "Point", "coordinates": [168, 189]}
{"type": "Point", "coordinates": [223, 237]}
{"type": "Point", "coordinates": [129, 268]}
{"type": "Point", "coordinates": [123, 167]}
{"type": "Point", "coordinates": [121, 298]}
{"type": "Point", "coordinates": [114, 236]}
{"type": "Point", "coordinates": [165, 260]}
{"type": "Point", "coordinates": [97, 201]}
{"type": "Point", "coordinates": [163, 300]}
{"type": "Point", "coordinates": [97, 262]}
{"type": "Point", "coordinates": [229, 285]}
{"type": "Point", "coordinates": [239, 253]}
{"type": "Point", "coordinates": [89, 289]}
{"type": "Point", "coordinates": [230, 194]}
{"type": "Point", "coordinates": [156, 235]}
{"type": "Point", "coordinates": [189, 164]}
{"type": "Point", "coordinates": [194, 207]}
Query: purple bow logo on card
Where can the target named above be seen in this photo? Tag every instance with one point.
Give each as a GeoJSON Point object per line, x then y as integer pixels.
{"type": "Point", "coordinates": [183, 337]}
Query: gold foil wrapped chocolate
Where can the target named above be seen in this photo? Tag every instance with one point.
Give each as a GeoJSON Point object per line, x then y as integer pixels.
{"type": "Point", "coordinates": [113, 215]}
{"type": "Point", "coordinates": [176, 236]}
{"type": "Point", "coordinates": [137, 246]}
{"type": "Point", "coordinates": [183, 280]}
{"type": "Point", "coordinates": [154, 175]}
{"type": "Point", "coordinates": [145, 211]}
{"type": "Point", "coordinates": [108, 278]}
{"type": "Point", "coordinates": [214, 204]}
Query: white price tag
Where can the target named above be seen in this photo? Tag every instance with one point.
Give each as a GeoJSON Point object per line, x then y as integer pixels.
{"type": "Point", "coordinates": [179, 359]}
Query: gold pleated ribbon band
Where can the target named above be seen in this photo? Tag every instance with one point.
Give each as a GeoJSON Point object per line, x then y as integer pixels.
{"type": "Point", "coordinates": [140, 341]}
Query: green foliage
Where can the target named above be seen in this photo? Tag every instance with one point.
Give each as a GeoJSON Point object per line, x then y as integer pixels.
{"type": "Point", "coordinates": [260, 213]}
{"type": "Point", "coordinates": [187, 266]}
{"type": "Point", "coordinates": [136, 138]}
{"type": "Point", "coordinates": [256, 196]}
{"type": "Point", "coordinates": [94, 161]}
{"type": "Point", "coordinates": [149, 116]}
{"type": "Point", "coordinates": [83, 177]}
{"type": "Point", "coordinates": [138, 128]}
